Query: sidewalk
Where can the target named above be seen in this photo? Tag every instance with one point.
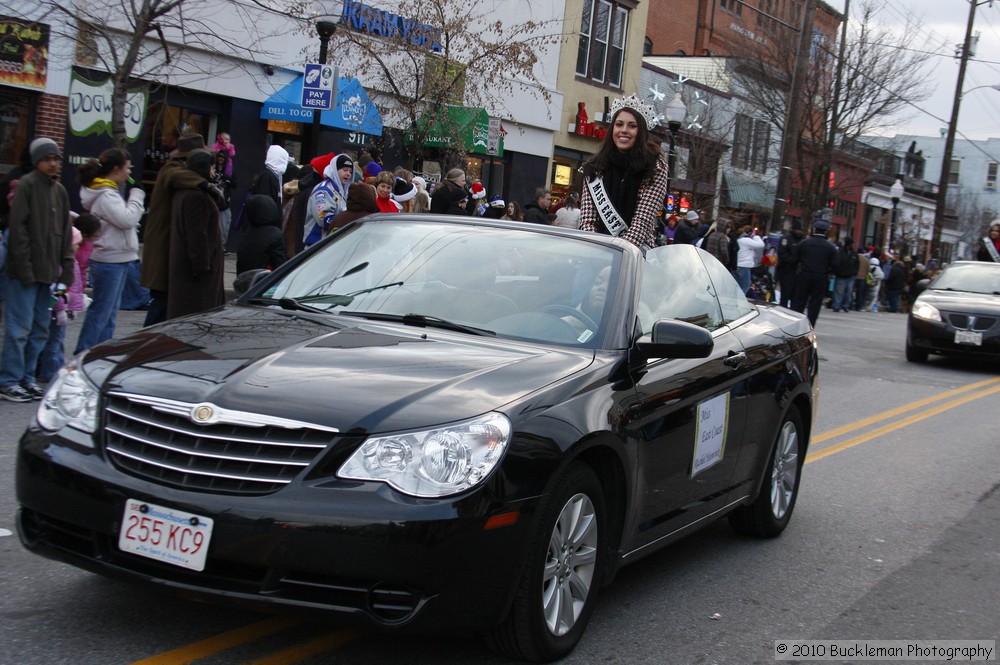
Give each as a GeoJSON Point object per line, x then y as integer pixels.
{"type": "Point", "coordinates": [129, 321]}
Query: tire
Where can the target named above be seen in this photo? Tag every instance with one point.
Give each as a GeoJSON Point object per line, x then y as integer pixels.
{"type": "Point", "coordinates": [770, 512]}
{"type": "Point", "coordinates": [915, 355]}
{"type": "Point", "coordinates": [565, 567]}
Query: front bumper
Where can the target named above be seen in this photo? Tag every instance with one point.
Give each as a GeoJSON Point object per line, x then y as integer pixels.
{"type": "Point", "coordinates": [939, 337]}
{"type": "Point", "coordinates": [359, 551]}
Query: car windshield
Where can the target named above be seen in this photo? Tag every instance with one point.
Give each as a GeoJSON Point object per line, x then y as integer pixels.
{"type": "Point", "coordinates": [460, 276]}
{"type": "Point", "coordinates": [971, 277]}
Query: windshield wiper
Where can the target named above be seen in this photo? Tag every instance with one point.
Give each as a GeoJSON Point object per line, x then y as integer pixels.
{"type": "Point", "coordinates": [421, 321]}
{"type": "Point", "coordinates": [344, 298]}
{"type": "Point", "coordinates": [294, 304]}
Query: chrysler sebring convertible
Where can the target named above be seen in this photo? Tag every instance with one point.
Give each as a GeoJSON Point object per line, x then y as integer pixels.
{"type": "Point", "coordinates": [430, 423]}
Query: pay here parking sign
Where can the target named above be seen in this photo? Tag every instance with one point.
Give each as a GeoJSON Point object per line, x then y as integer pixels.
{"type": "Point", "coordinates": [319, 87]}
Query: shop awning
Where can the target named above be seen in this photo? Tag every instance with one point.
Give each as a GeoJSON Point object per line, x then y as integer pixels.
{"type": "Point", "coordinates": [739, 191]}
{"type": "Point", "coordinates": [354, 112]}
{"type": "Point", "coordinates": [469, 123]}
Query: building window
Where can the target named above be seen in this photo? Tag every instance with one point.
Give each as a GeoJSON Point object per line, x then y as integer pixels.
{"type": "Point", "coordinates": [647, 46]}
{"type": "Point", "coordinates": [846, 209]}
{"type": "Point", "coordinates": [734, 6]}
{"type": "Point", "coordinates": [955, 172]}
{"type": "Point", "coordinates": [991, 176]}
{"type": "Point", "coordinates": [603, 33]}
{"type": "Point", "coordinates": [751, 141]}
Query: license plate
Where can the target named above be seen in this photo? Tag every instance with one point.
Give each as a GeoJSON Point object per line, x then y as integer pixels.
{"type": "Point", "coordinates": [968, 337]}
{"type": "Point", "coordinates": [165, 534]}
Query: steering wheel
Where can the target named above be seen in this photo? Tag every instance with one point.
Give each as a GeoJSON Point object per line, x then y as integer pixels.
{"type": "Point", "coordinates": [564, 310]}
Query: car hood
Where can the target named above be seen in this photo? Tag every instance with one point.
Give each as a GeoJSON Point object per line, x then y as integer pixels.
{"type": "Point", "coordinates": [961, 301]}
{"type": "Point", "coordinates": [340, 372]}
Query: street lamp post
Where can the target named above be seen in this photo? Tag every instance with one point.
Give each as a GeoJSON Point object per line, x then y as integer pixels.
{"type": "Point", "coordinates": [675, 113]}
{"type": "Point", "coordinates": [895, 193]}
{"type": "Point", "coordinates": [325, 30]}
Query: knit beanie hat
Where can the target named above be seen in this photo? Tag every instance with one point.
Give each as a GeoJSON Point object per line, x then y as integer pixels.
{"type": "Point", "coordinates": [403, 191]}
{"type": "Point", "coordinates": [342, 161]}
{"type": "Point", "coordinates": [497, 202]}
{"type": "Point", "coordinates": [41, 148]}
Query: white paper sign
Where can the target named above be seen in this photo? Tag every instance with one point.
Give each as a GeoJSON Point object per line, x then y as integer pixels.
{"type": "Point", "coordinates": [710, 433]}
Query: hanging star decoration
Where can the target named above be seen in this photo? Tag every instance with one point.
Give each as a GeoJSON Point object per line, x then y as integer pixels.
{"type": "Point", "coordinates": [657, 95]}
{"type": "Point", "coordinates": [694, 124]}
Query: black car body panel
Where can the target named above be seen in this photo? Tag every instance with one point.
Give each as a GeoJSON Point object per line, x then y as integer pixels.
{"type": "Point", "coordinates": [361, 549]}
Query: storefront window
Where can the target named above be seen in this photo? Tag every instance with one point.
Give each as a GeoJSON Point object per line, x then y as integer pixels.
{"type": "Point", "coordinates": [164, 123]}
{"type": "Point", "coordinates": [15, 117]}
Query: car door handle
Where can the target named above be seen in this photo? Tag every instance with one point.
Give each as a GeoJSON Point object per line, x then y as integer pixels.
{"type": "Point", "coordinates": [734, 360]}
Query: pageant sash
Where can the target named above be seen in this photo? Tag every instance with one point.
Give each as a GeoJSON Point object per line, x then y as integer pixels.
{"type": "Point", "coordinates": [606, 210]}
{"type": "Point", "coordinates": [992, 250]}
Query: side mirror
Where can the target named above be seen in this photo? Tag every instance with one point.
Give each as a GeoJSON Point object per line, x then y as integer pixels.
{"type": "Point", "coordinates": [245, 280]}
{"type": "Point", "coordinates": [678, 339]}
{"type": "Point", "coordinates": [920, 286]}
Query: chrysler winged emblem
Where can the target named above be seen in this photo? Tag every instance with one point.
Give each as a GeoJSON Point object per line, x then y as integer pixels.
{"type": "Point", "coordinates": [202, 413]}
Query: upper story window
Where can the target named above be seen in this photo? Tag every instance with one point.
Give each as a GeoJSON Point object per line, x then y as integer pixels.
{"type": "Point", "coordinates": [955, 172]}
{"type": "Point", "coordinates": [603, 33]}
{"type": "Point", "coordinates": [991, 175]}
{"type": "Point", "coordinates": [734, 6]}
{"type": "Point", "coordinates": [751, 142]}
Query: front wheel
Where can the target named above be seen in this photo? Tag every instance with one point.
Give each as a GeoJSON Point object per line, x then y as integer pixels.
{"type": "Point", "coordinates": [770, 512]}
{"type": "Point", "coordinates": [915, 355]}
{"type": "Point", "coordinates": [565, 566]}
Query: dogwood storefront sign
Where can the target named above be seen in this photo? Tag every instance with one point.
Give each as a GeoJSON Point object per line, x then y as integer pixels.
{"type": "Point", "coordinates": [90, 108]}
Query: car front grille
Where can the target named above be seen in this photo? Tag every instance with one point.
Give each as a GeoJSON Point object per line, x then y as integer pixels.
{"type": "Point", "coordinates": [966, 322]}
{"type": "Point", "coordinates": [234, 453]}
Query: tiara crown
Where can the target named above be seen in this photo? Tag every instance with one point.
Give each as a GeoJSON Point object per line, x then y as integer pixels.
{"type": "Point", "coordinates": [635, 104]}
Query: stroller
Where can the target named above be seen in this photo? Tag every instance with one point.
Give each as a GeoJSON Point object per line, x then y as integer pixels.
{"type": "Point", "coordinates": [761, 284]}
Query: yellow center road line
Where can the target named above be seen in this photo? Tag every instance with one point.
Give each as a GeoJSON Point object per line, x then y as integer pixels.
{"type": "Point", "coordinates": [298, 653]}
{"type": "Point", "coordinates": [222, 642]}
{"type": "Point", "coordinates": [850, 443]}
{"type": "Point", "coordinates": [840, 431]}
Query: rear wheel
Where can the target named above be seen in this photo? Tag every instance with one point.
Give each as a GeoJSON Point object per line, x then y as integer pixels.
{"type": "Point", "coordinates": [770, 512]}
{"type": "Point", "coordinates": [565, 566]}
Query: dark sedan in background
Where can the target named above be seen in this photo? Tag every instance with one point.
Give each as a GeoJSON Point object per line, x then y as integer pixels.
{"type": "Point", "coordinates": [428, 422]}
{"type": "Point", "coordinates": [957, 314]}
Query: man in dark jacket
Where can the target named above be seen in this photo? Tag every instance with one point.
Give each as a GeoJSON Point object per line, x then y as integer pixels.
{"type": "Point", "coordinates": [847, 270]}
{"type": "Point", "coordinates": [787, 267]}
{"type": "Point", "coordinates": [816, 257]}
{"type": "Point", "coordinates": [688, 229]}
{"type": "Point", "coordinates": [537, 211]}
{"type": "Point", "coordinates": [41, 254]}
{"type": "Point", "coordinates": [895, 282]}
{"type": "Point", "coordinates": [263, 245]}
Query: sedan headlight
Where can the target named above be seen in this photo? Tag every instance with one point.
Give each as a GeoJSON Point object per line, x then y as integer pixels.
{"type": "Point", "coordinates": [71, 400]}
{"type": "Point", "coordinates": [922, 310]}
{"type": "Point", "coordinates": [434, 462]}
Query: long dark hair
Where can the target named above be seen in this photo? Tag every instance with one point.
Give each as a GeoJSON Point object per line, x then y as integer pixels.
{"type": "Point", "coordinates": [105, 163]}
{"type": "Point", "coordinates": [640, 158]}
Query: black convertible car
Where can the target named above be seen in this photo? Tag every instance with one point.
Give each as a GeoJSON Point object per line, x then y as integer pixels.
{"type": "Point", "coordinates": [428, 422]}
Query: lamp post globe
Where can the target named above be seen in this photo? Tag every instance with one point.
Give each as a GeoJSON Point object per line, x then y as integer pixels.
{"type": "Point", "coordinates": [896, 192]}
{"type": "Point", "coordinates": [325, 29]}
{"type": "Point", "coordinates": [674, 112]}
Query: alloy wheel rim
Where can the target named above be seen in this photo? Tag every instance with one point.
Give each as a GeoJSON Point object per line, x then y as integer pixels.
{"type": "Point", "coordinates": [569, 564]}
{"type": "Point", "coordinates": [785, 471]}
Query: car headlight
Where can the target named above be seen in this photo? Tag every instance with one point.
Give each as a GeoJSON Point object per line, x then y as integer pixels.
{"type": "Point", "coordinates": [922, 310]}
{"type": "Point", "coordinates": [71, 400]}
{"type": "Point", "coordinates": [435, 462]}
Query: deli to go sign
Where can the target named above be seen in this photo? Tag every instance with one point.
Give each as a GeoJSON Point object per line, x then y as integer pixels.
{"type": "Point", "coordinates": [90, 108]}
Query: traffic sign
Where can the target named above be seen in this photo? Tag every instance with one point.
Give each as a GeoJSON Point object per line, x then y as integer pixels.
{"type": "Point", "coordinates": [319, 86]}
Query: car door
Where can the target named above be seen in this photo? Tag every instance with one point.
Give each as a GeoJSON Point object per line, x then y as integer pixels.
{"type": "Point", "coordinates": [687, 419]}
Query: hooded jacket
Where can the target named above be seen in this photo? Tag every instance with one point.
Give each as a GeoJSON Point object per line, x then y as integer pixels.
{"type": "Point", "coordinates": [172, 178]}
{"type": "Point", "coordinates": [328, 199]}
{"type": "Point", "coordinates": [268, 181]}
{"type": "Point", "coordinates": [263, 245]}
{"type": "Point", "coordinates": [361, 201]}
{"type": "Point", "coordinates": [118, 241]}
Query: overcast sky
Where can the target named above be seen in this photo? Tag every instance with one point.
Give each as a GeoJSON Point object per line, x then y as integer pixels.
{"type": "Point", "coordinates": [943, 24]}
